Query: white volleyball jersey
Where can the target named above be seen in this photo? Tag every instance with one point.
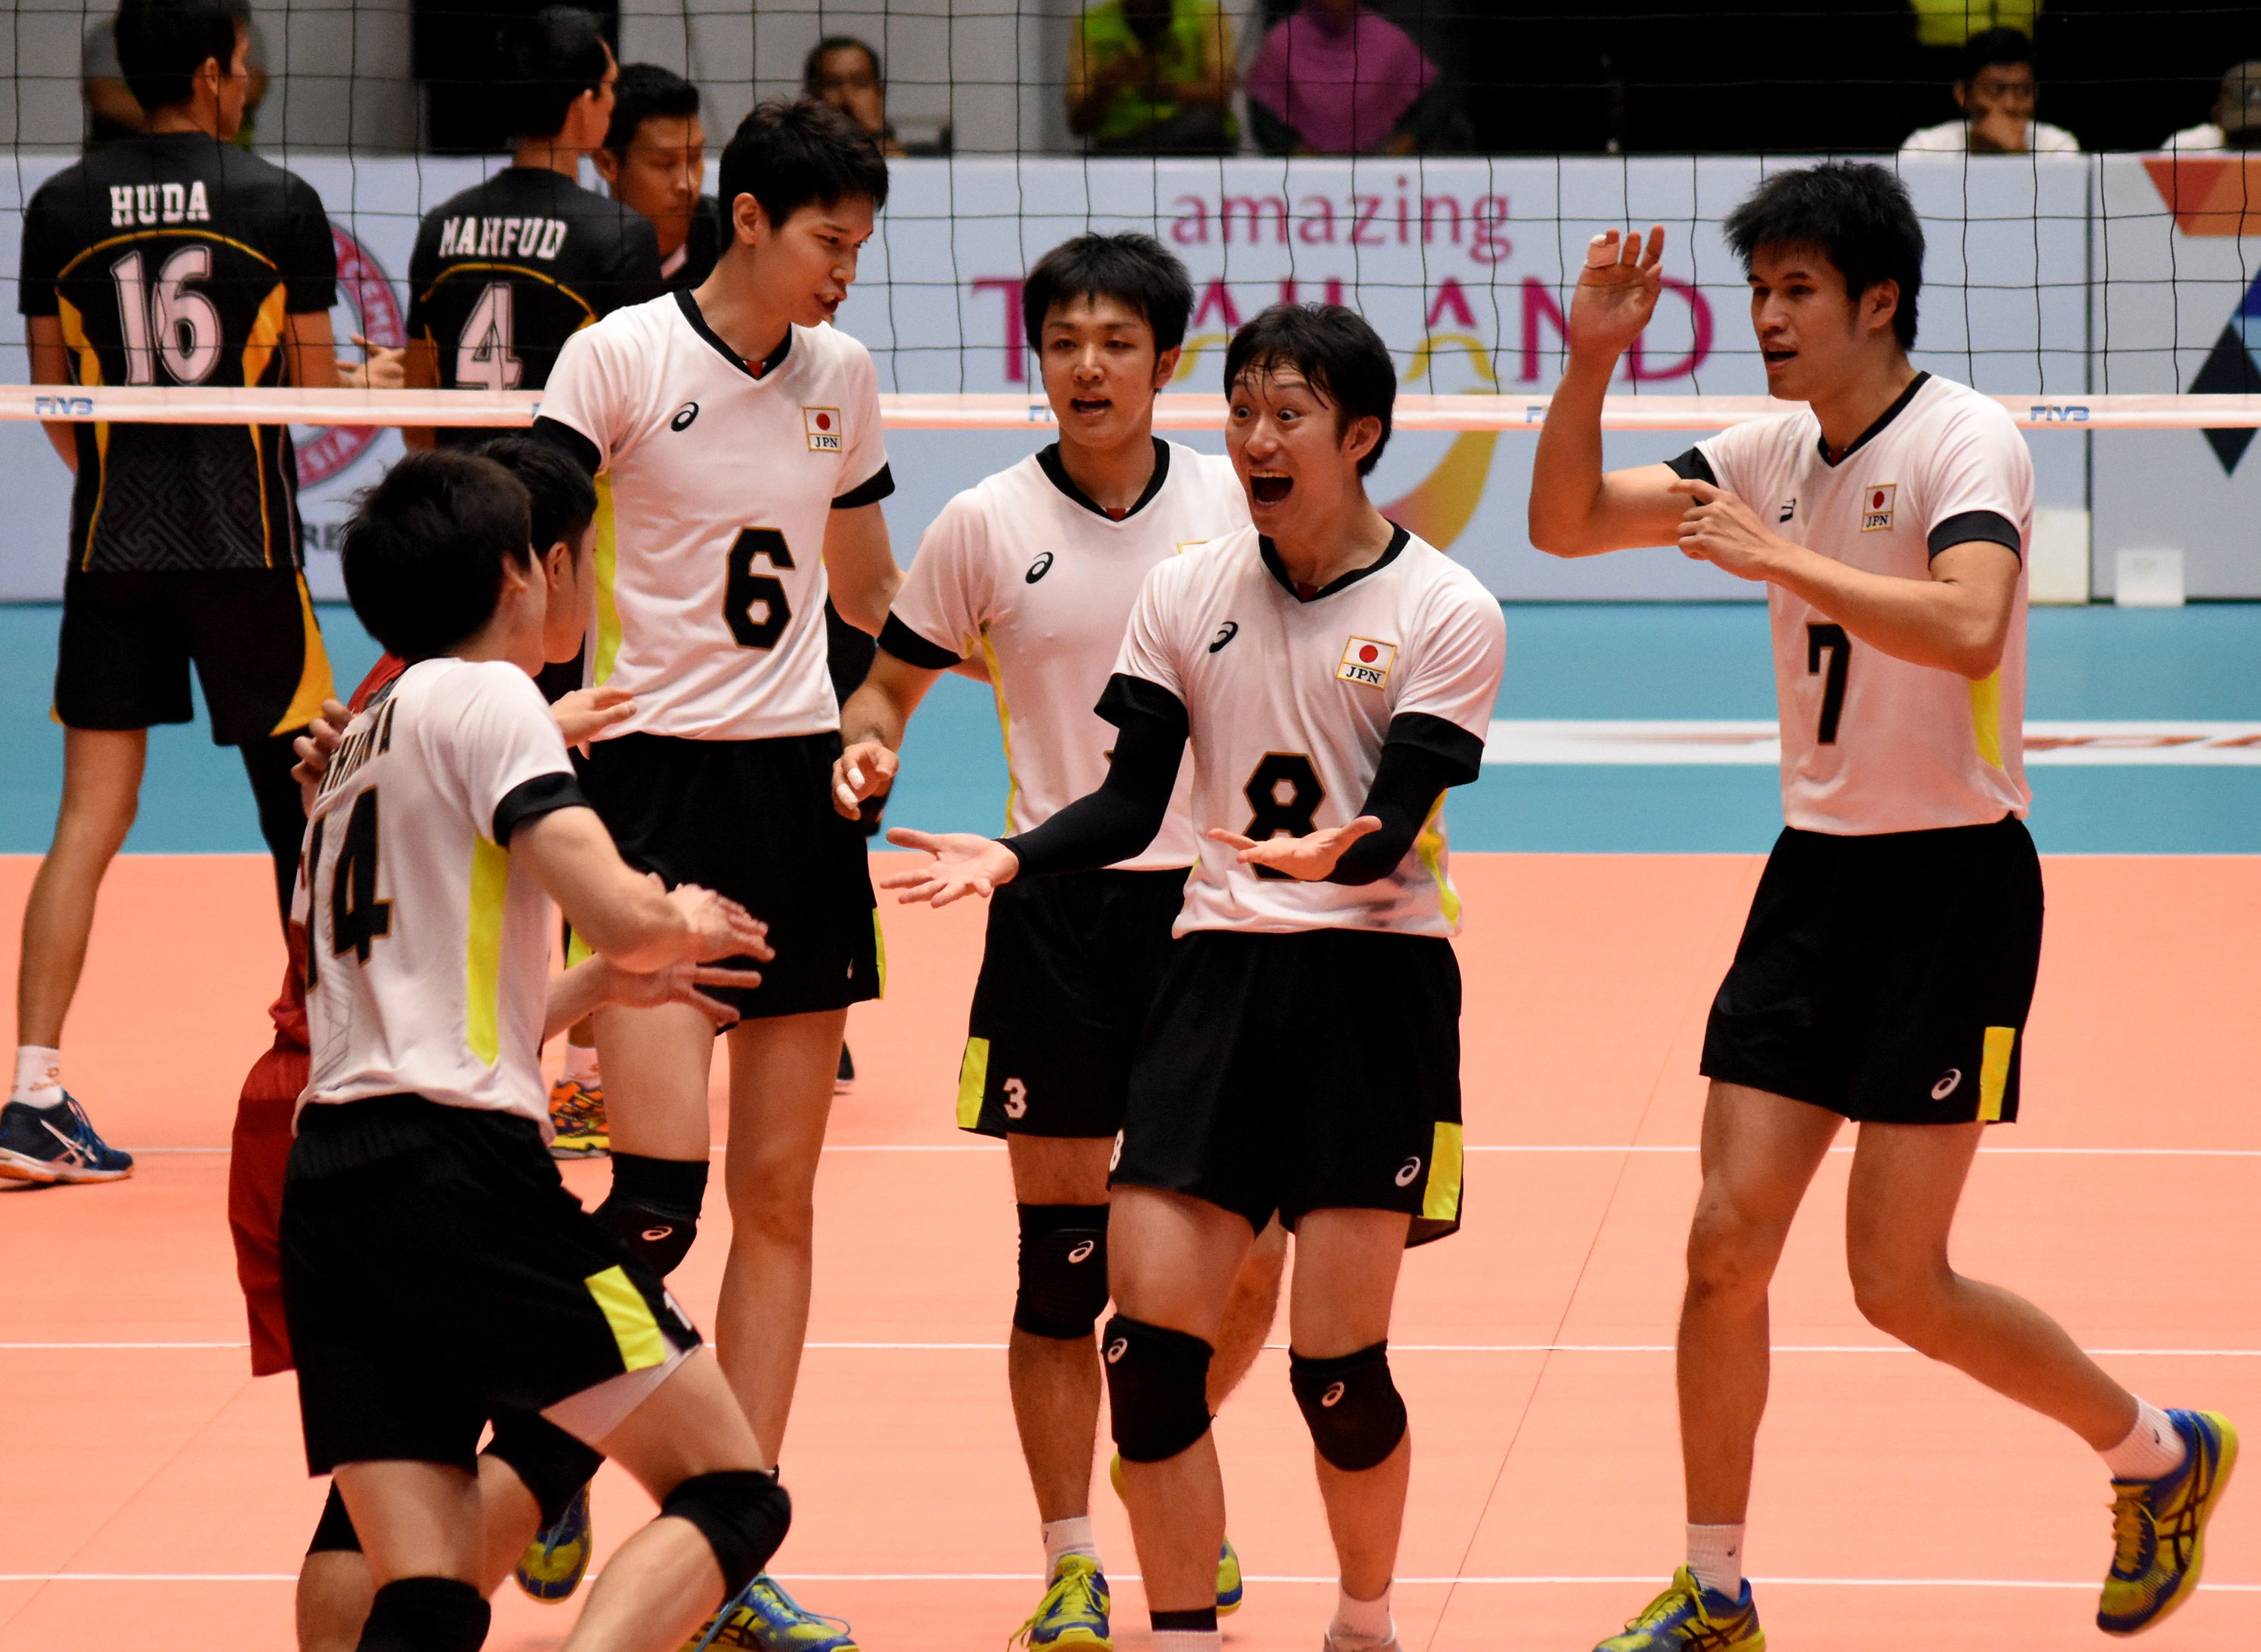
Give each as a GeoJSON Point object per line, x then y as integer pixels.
{"type": "Point", "coordinates": [1871, 744]}
{"type": "Point", "coordinates": [1290, 702]}
{"type": "Point", "coordinates": [1024, 571]}
{"type": "Point", "coordinates": [428, 950]}
{"type": "Point", "coordinates": [716, 480]}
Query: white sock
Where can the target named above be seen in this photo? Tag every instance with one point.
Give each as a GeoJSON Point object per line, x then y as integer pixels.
{"type": "Point", "coordinates": [1071, 1536]}
{"type": "Point", "coordinates": [38, 1076]}
{"type": "Point", "coordinates": [1360, 1622]}
{"type": "Point", "coordinates": [2152, 1449]}
{"type": "Point", "coordinates": [1188, 1640]}
{"type": "Point", "coordinates": [581, 1064]}
{"type": "Point", "coordinates": [1715, 1555]}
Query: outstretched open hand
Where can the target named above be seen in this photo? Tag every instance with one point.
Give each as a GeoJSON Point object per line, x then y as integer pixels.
{"type": "Point", "coordinates": [1616, 292]}
{"type": "Point", "coordinates": [964, 863]}
{"type": "Point", "coordinates": [1310, 859]}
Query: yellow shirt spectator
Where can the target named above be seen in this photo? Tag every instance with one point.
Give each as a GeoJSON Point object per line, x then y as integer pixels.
{"type": "Point", "coordinates": [1152, 76]}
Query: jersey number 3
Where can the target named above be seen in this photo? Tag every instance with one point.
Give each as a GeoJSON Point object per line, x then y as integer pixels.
{"type": "Point", "coordinates": [1833, 640]}
{"type": "Point", "coordinates": [357, 917]}
{"type": "Point", "coordinates": [1284, 795]}
{"type": "Point", "coordinates": [753, 604]}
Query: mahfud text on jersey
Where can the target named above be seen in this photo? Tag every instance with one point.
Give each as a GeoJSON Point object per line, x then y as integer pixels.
{"type": "Point", "coordinates": [501, 237]}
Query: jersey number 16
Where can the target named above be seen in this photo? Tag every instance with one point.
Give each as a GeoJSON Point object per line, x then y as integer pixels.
{"type": "Point", "coordinates": [176, 325]}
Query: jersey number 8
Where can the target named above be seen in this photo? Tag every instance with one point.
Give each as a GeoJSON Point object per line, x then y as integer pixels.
{"type": "Point", "coordinates": [748, 592]}
{"type": "Point", "coordinates": [1284, 795]}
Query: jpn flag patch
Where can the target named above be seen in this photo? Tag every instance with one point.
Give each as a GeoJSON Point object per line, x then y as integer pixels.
{"type": "Point", "coordinates": [823, 427]}
{"type": "Point", "coordinates": [1366, 662]}
{"type": "Point", "coordinates": [1877, 508]}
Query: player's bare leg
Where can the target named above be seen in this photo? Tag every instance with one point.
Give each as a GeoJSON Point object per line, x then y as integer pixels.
{"type": "Point", "coordinates": [1347, 1264]}
{"type": "Point", "coordinates": [1172, 1261]}
{"type": "Point", "coordinates": [781, 1073]}
{"type": "Point", "coordinates": [1249, 1312]}
{"type": "Point", "coordinates": [415, 1519]}
{"type": "Point", "coordinates": [1759, 1153]}
{"type": "Point", "coordinates": [102, 785]}
{"type": "Point", "coordinates": [659, 1064]}
{"type": "Point", "coordinates": [1907, 1181]}
{"type": "Point", "coordinates": [1056, 1381]}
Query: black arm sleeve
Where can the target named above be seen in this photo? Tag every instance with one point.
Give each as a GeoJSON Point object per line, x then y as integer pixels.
{"type": "Point", "coordinates": [1122, 816]}
{"type": "Point", "coordinates": [568, 440]}
{"type": "Point", "coordinates": [1693, 466]}
{"type": "Point", "coordinates": [1421, 756]}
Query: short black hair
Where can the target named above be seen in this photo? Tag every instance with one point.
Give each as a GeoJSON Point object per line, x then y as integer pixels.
{"type": "Point", "coordinates": [1136, 269]}
{"type": "Point", "coordinates": [162, 44]}
{"type": "Point", "coordinates": [1855, 214]}
{"type": "Point", "coordinates": [1991, 47]}
{"type": "Point", "coordinates": [786, 155]}
{"type": "Point", "coordinates": [1338, 353]}
{"type": "Point", "coordinates": [562, 500]}
{"type": "Point", "coordinates": [812, 66]}
{"type": "Point", "coordinates": [645, 91]}
{"type": "Point", "coordinates": [423, 553]}
{"type": "Point", "coordinates": [544, 62]}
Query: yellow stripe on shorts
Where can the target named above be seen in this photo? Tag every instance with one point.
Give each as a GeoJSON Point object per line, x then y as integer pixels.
{"type": "Point", "coordinates": [1995, 1072]}
{"type": "Point", "coordinates": [879, 950]}
{"type": "Point", "coordinates": [1440, 1200]}
{"type": "Point", "coordinates": [626, 1311]}
{"type": "Point", "coordinates": [973, 1082]}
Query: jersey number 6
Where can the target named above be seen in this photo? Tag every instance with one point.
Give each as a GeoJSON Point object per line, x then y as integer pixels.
{"type": "Point", "coordinates": [1840, 646]}
{"type": "Point", "coordinates": [748, 592]}
{"type": "Point", "coordinates": [1284, 795]}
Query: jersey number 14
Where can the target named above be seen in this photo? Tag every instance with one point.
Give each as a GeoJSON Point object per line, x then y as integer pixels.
{"type": "Point", "coordinates": [357, 917]}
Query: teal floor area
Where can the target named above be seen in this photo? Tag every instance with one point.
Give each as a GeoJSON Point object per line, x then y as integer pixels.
{"type": "Point", "coordinates": [1564, 660]}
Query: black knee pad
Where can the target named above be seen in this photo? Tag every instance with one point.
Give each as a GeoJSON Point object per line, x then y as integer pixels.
{"type": "Point", "coordinates": [1063, 1270]}
{"type": "Point", "coordinates": [552, 1463]}
{"type": "Point", "coordinates": [1354, 1412]}
{"type": "Point", "coordinates": [1157, 1388]}
{"type": "Point", "coordinates": [742, 1514]}
{"type": "Point", "coordinates": [334, 1533]}
{"type": "Point", "coordinates": [426, 1614]}
{"type": "Point", "coordinates": [653, 1207]}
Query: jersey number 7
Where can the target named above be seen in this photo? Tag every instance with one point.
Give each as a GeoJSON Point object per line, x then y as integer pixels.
{"type": "Point", "coordinates": [357, 917]}
{"type": "Point", "coordinates": [1840, 648]}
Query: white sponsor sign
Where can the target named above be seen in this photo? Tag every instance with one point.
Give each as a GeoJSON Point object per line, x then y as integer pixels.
{"type": "Point", "coordinates": [1750, 742]}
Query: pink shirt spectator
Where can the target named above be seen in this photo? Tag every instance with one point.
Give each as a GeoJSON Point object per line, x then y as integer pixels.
{"type": "Point", "coordinates": [1342, 76]}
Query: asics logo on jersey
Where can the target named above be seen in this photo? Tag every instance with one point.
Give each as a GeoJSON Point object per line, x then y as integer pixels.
{"type": "Point", "coordinates": [684, 415]}
{"type": "Point", "coordinates": [1225, 633]}
{"type": "Point", "coordinates": [1333, 1395]}
{"type": "Point", "coordinates": [1017, 1099]}
{"type": "Point", "coordinates": [1082, 1252]}
{"type": "Point", "coordinates": [1945, 1088]}
{"type": "Point", "coordinates": [1039, 568]}
{"type": "Point", "coordinates": [1407, 1171]}
{"type": "Point", "coordinates": [1788, 508]}
{"type": "Point", "coordinates": [1116, 1349]}
{"type": "Point", "coordinates": [653, 1235]}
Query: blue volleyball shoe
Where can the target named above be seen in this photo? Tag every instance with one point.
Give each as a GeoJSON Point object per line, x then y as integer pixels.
{"type": "Point", "coordinates": [1073, 1613]}
{"type": "Point", "coordinates": [556, 1560]}
{"type": "Point", "coordinates": [2158, 1528]}
{"type": "Point", "coordinates": [1689, 1618]}
{"type": "Point", "coordinates": [764, 1616]}
{"type": "Point", "coordinates": [56, 1143]}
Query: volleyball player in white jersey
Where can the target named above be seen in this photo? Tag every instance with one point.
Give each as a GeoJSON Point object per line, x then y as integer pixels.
{"type": "Point", "coordinates": [435, 1272]}
{"type": "Point", "coordinates": [735, 437]}
{"type": "Point", "coordinates": [1033, 572]}
{"type": "Point", "coordinates": [1889, 960]}
{"type": "Point", "coordinates": [1334, 675]}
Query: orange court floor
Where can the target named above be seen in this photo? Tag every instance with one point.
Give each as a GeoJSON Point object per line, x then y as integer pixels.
{"type": "Point", "coordinates": [152, 1493]}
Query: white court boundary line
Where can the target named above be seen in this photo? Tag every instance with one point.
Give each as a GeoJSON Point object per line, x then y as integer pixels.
{"type": "Point", "coordinates": [1276, 1347]}
{"type": "Point", "coordinates": [1683, 1148]}
{"type": "Point", "coordinates": [1535, 1580]}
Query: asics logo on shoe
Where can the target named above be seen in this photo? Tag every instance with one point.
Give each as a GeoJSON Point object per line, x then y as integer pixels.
{"type": "Point", "coordinates": [73, 1154]}
{"type": "Point", "coordinates": [1407, 1171]}
{"type": "Point", "coordinates": [1334, 1393]}
{"type": "Point", "coordinates": [684, 415]}
{"type": "Point", "coordinates": [1116, 1349]}
{"type": "Point", "coordinates": [1945, 1088]}
{"type": "Point", "coordinates": [653, 1235]}
{"type": "Point", "coordinates": [1225, 633]}
{"type": "Point", "coordinates": [1039, 568]}
{"type": "Point", "coordinates": [1017, 1099]}
{"type": "Point", "coordinates": [1082, 1252]}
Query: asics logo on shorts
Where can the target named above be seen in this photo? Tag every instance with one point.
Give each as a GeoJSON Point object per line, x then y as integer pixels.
{"type": "Point", "coordinates": [1039, 568]}
{"type": "Point", "coordinates": [1082, 1252]}
{"type": "Point", "coordinates": [653, 1235]}
{"type": "Point", "coordinates": [1334, 1393]}
{"type": "Point", "coordinates": [684, 415]}
{"type": "Point", "coordinates": [1115, 1159]}
{"type": "Point", "coordinates": [1116, 1349]}
{"type": "Point", "coordinates": [1407, 1171]}
{"type": "Point", "coordinates": [1945, 1088]}
{"type": "Point", "coordinates": [1017, 1099]}
{"type": "Point", "coordinates": [1225, 633]}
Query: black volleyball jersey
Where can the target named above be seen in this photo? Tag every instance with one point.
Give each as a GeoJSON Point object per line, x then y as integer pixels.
{"type": "Point", "coordinates": [505, 272]}
{"type": "Point", "coordinates": [172, 259]}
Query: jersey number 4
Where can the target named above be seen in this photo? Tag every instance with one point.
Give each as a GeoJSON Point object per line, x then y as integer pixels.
{"type": "Point", "coordinates": [1833, 640]}
{"type": "Point", "coordinates": [484, 355]}
{"type": "Point", "coordinates": [176, 325]}
{"type": "Point", "coordinates": [1284, 795]}
{"type": "Point", "coordinates": [357, 917]}
{"type": "Point", "coordinates": [753, 604]}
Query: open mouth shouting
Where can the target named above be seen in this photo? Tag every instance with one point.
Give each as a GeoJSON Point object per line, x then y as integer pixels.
{"type": "Point", "coordinates": [1091, 406]}
{"type": "Point", "coordinates": [1270, 487]}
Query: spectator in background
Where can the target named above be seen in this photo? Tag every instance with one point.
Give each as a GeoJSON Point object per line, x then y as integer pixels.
{"type": "Point", "coordinates": [113, 113]}
{"type": "Point", "coordinates": [2236, 123]}
{"type": "Point", "coordinates": [653, 159]}
{"type": "Point", "coordinates": [1996, 95]}
{"type": "Point", "coordinates": [1152, 78]}
{"type": "Point", "coordinates": [1338, 79]}
{"type": "Point", "coordinates": [844, 72]}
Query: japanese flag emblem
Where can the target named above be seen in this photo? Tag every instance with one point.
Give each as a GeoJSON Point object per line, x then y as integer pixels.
{"type": "Point", "coordinates": [1366, 662]}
